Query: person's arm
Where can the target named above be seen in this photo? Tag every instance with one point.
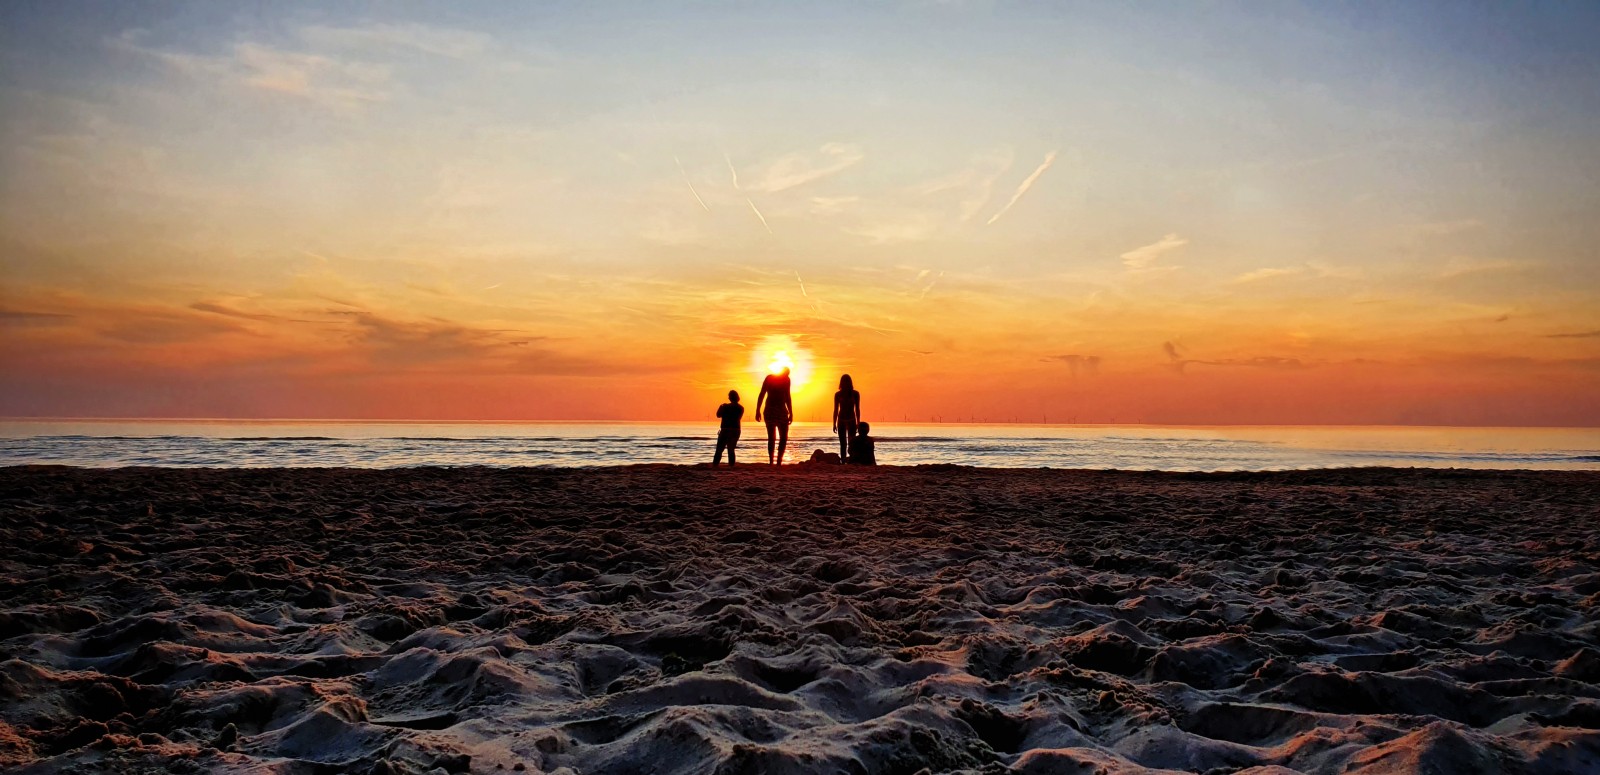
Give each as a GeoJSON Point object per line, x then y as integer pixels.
{"type": "Point", "coordinates": [858, 409]}
{"type": "Point", "coordinates": [759, 400]}
{"type": "Point", "coordinates": [788, 407]}
{"type": "Point", "coordinates": [835, 412]}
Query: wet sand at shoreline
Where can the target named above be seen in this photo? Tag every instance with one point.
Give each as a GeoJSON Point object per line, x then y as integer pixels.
{"type": "Point", "coordinates": [662, 619]}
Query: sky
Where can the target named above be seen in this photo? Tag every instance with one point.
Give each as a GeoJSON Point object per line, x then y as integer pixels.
{"type": "Point", "coordinates": [1167, 213]}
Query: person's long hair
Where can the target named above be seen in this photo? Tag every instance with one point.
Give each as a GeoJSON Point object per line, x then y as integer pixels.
{"type": "Point", "coordinates": [846, 384]}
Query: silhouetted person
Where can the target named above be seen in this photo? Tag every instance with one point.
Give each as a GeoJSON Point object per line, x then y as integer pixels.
{"type": "Point", "coordinates": [780, 412]}
{"type": "Point", "coordinates": [846, 415]}
{"type": "Point", "coordinates": [731, 414]}
{"type": "Point", "coordinates": [863, 450]}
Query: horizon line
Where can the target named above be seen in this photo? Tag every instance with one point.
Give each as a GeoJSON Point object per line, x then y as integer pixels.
{"type": "Point", "coordinates": [417, 421]}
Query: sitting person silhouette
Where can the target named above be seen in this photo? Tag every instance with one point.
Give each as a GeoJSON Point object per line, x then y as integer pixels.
{"type": "Point", "coordinates": [846, 415]}
{"type": "Point", "coordinates": [862, 447]}
{"type": "Point", "coordinates": [731, 414]}
{"type": "Point", "coordinates": [779, 412]}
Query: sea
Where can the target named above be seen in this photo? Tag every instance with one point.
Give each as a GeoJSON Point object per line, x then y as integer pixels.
{"type": "Point", "coordinates": [272, 444]}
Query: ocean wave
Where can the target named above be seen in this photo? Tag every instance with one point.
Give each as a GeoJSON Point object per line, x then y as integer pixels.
{"type": "Point", "coordinates": [270, 438]}
{"type": "Point", "coordinates": [1486, 457]}
{"type": "Point", "coordinates": [1079, 450]}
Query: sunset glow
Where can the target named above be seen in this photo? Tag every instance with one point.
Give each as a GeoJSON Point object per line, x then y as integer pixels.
{"type": "Point", "coordinates": [773, 353]}
{"type": "Point", "coordinates": [599, 212]}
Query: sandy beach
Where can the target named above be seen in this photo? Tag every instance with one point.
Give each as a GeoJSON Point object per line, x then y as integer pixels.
{"type": "Point", "coordinates": [666, 619]}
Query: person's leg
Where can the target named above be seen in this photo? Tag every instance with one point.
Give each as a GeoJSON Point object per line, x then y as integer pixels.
{"type": "Point", "coordinates": [844, 446]}
{"type": "Point", "coordinates": [733, 441]}
{"type": "Point", "coordinates": [722, 441]}
{"type": "Point", "coordinates": [783, 441]}
{"type": "Point", "coordinates": [772, 436]}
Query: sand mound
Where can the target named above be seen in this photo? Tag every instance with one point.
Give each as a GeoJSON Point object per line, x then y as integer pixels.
{"type": "Point", "coordinates": [815, 619]}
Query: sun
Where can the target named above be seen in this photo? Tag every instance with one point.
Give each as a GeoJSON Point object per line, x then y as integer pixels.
{"type": "Point", "coordinates": [779, 352]}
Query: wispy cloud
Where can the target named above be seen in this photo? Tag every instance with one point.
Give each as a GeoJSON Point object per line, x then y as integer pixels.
{"type": "Point", "coordinates": [1575, 335]}
{"type": "Point", "coordinates": [987, 172]}
{"type": "Point", "coordinates": [126, 324]}
{"type": "Point", "coordinates": [1087, 365]}
{"type": "Point", "coordinates": [1444, 228]}
{"type": "Point", "coordinates": [1049, 159]}
{"type": "Point", "coordinates": [1141, 259]}
{"type": "Point", "coordinates": [14, 317]}
{"type": "Point", "coordinates": [1257, 362]}
{"type": "Point", "coordinates": [1265, 273]}
{"type": "Point", "coordinates": [425, 344]}
{"type": "Point", "coordinates": [1463, 266]}
{"type": "Point", "coordinates": [1177, 361]}
{"type": "Point", "coordinates": [152, 326]}
{"type": "Point", "coordinates": [438, 41]}
{"type": "Point", "coordinates": [898, 227]}
{"type": "Point", "coordinates": [831, 205]}
{"type": "Point", "coordinates": [392, 341]}
{"type": "Point", "coordinates": [216, 308]}
{"type": "Point", "coordinates": [312, 76]}
{"type": "Point", "coordinates": [1329, 271]}
{"type": "Point", "coordinates": [976, 181]}
{"type": "Point", "coordinates": [342, 84]}
{"type": "Point", "coordinates": [798, 169]}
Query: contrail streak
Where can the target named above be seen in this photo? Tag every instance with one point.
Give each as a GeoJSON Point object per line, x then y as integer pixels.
{"type": "Point", "coordinates": [732, 171]}
{"type": "Point", "coordinates": [803, 292]}
{"type": "Point", "coordinates": [1049, 159]}
{"type": "Point", "coordinates": [759, 215]}
{"type": "Point", "coordinates": [930, 285]}
{"type": "Point", "coordinates": [691, 185]}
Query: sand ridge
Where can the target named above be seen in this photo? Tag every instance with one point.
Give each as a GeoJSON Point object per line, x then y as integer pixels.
{"type": "Point", "coordinates": [661, 619]}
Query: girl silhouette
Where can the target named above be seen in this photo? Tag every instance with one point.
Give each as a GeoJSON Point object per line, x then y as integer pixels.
{"type": "Point", "coordinates": [779, 412]}
{"type": "Point", "coordinates": [846, 415]}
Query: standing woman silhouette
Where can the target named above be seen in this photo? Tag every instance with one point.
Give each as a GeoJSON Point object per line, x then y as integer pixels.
{"type": "Point", "coordinates": [779, 412]}
{"type": "Point", "coordinates": [846, 415]}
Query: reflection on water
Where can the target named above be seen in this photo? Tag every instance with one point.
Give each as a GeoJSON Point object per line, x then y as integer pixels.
{"type": "Point", "coordinates": [388, 445]}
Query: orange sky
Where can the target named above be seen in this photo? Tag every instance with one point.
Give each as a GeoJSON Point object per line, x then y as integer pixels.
{"type": "Point", "coordinates": [477, 214]}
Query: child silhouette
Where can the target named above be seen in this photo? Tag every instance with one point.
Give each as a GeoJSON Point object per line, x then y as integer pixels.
{"type": "Point", "coordinates": [863, 450]}
{"type": "Point", "coordinates": [731, 414]}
